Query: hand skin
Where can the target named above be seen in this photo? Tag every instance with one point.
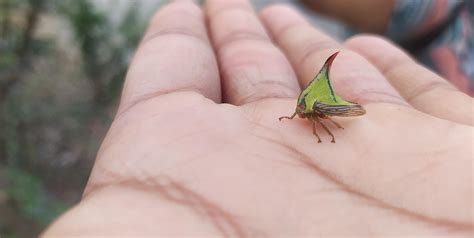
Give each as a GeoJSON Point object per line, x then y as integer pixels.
{"type": "Point", "coordinates": [196, 148]}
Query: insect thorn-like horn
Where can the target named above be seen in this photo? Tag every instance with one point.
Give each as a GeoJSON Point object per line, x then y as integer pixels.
{"type": "Point", "coordinates": [329, 61]}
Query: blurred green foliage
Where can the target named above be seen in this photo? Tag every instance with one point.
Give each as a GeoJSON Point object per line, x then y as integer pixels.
{"type": "Point", "coordinates": [104, 52]}
{"type": "Point", "coordinates": [31, 197]}
{"type": "Point", "coordinates": [57, 98]}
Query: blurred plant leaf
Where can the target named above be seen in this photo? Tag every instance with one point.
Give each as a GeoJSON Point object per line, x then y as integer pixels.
{"type": "Point", "coordinates": [29, 195]}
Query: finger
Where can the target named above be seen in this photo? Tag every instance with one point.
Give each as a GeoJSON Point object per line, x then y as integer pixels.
{"type": "Point", "coordinates": [174, 55]}
{"type": "Point", "coordinates": [307, 49]}
{"type": "Point", "coordinates": [251, 67]}
{"type": "Point", "coordinates": [422, 88]}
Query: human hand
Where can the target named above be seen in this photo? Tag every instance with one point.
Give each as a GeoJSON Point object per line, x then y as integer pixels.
{"type": "Point", "coordinates": [198, 151]}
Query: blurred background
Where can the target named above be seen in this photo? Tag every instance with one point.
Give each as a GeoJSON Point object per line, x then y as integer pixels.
{"type": "Point", "coordinates": [62, 65]}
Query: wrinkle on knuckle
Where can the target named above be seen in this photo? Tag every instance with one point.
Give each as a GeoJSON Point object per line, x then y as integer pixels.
{"type": "Point", "coordinates": [252, 59]}
{"type": "Point", "coordinates": [277, 7]}
{"type": "Point", "coordinates": [180, 34]}
{"type": "Point", "coordinates": [237, 30]}
{"type": "Point", "coordinates": [214, 12]}
{"type": "Point", "coordinates": [254, 86]}
{"type": "Point", "coordinates": [145, 98]}
{"type": "Point", "coordinates": [234, 39]}
{"type": "Point", "coordinates": [253, 97]}
{"type": "Point", "coordinates": [276, 85]}
{"type": "Point", "coordinates": [427, 88]}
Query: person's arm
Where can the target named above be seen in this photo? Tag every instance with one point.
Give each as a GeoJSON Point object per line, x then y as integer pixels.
{"type": "Point", "coordinates": [365, 15]}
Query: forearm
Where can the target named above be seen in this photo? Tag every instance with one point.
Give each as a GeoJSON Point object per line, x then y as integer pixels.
{"type": "Point", "coordinates": [366, 15]}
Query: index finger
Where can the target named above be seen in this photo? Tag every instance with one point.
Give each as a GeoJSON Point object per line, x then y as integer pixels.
{"type": "Point", "coordinates": [174, 55]}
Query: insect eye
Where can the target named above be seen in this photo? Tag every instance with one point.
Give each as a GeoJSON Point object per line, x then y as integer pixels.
{"type": "Point", "coordinates": [302, 106]}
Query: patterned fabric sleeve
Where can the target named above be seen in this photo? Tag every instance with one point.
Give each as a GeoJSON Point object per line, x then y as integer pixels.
{"type": "Point", "coordinates": [441, 32]}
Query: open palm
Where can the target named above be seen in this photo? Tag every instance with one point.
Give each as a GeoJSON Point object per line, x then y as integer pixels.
{"type": "Point", "coordinates": [196, 148]}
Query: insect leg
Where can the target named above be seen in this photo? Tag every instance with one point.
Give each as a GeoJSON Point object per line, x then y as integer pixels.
{"type": "Point", "coordinates": [335, 123]}
{"type": "Point", "coordinates": [326, 129]}
{"type": "Point", "coordinates": [314, 131]}
{"type": "Point", "coordinates": [285, 117]}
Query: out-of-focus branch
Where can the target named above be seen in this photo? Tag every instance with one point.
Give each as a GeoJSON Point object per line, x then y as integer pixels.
{"type": "Point", "coordinates": [12, 76]}
{"type": "Point", "coordinates": [31, 17]}
{"type": "Point", "coordinates": [5, 8]}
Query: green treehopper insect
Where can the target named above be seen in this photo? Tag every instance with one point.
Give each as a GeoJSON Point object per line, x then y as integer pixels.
{"type": "Point", "coordinates": [319, 101]}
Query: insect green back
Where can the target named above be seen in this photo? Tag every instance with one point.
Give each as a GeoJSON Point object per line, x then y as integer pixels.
{"type": "Point", "coordinates": [320, 90]}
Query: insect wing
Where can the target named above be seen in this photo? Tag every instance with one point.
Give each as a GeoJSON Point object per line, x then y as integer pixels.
{"type": "Point", "coordinates": [350, 110]}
